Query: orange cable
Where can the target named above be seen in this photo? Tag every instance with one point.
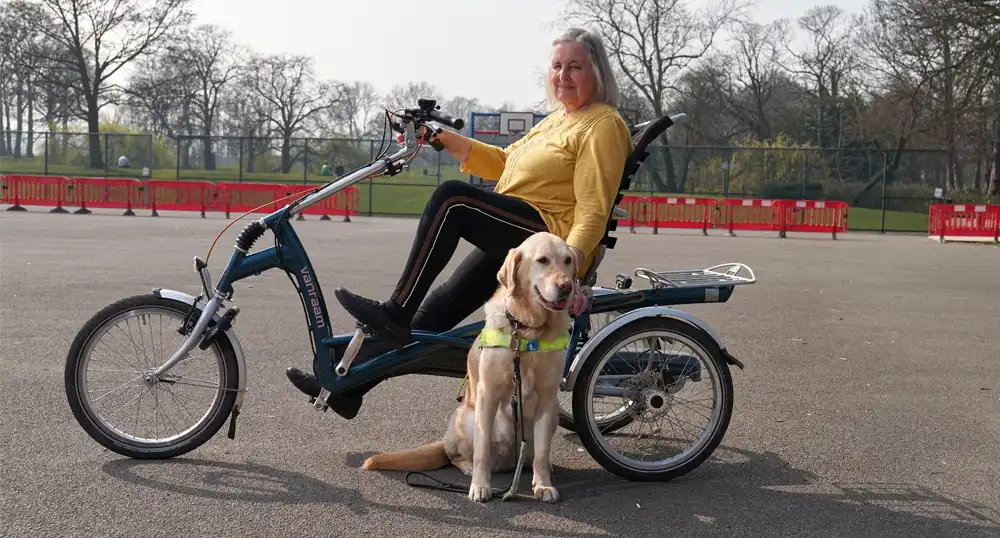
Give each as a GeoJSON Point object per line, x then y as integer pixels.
{"type": "Point", "coordinates": [209, 255]}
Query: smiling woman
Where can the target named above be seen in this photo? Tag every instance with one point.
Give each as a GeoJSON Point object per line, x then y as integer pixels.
{"type": "Point", "coordinates": [580, 72]}
{"type": "Point", "coordinates": [561, 177]}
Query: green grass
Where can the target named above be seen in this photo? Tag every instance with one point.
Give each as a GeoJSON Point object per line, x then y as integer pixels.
{"type": "Point", "coordinates": [862, 218]}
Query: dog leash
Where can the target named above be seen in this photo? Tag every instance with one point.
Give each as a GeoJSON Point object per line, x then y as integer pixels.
{"type": "Point", "coordinates": [518, 405]}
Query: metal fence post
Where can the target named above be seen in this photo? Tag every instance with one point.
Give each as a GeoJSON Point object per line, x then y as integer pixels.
{"type": "Point", "coordinates": [805, 172]}
{"type": "Point", "coordinates": [725, 171]}
{"type": "Point", "coordinates": [885, 174]}
{"type": "Point", "coordinates": [240, 152]}
{"type": "Point", "coordinates": [106, 151]}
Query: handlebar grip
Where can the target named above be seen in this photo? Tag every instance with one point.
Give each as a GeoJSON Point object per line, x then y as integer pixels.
{"type": "Point", "coordinates": [441, 117]}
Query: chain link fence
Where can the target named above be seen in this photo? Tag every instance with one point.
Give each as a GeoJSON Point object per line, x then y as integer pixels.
{"type": "Point", "coordinates": [78, 154]}
{"type": "Point", "coordinates": [887, 190]}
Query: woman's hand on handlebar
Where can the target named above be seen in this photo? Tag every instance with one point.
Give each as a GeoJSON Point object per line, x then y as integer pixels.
{"type": "Point", "coordinates": [456, 145]}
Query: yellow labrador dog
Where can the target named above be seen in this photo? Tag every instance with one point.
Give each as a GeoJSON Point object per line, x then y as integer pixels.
{"type": "Point", "coordinates": [536, 285]}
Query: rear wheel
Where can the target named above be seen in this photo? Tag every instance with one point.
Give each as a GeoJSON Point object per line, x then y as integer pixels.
{"type": "Point", "coordinates": [609, 421]}
{"type": "Point", "coordinates": [120, 406]}
{"type": "Point", "coordinates": [675, 383]}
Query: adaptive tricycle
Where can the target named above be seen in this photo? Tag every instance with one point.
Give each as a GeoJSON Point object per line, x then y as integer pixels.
{"type": "Point", "coordinates": [629, 360]}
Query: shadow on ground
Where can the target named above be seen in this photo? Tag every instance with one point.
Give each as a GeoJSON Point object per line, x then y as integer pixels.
{"type": "Point", "coordinates": [735, 493]}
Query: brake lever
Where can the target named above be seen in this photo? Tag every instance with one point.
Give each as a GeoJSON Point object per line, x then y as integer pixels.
{"type": "Point", "coordinates": [428, 133]}
{"type": "Point", "coordinates": [435, 143]}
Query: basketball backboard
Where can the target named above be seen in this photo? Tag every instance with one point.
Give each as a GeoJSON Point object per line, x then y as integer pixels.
{"type": "Point", "coordinates": [516, 123]}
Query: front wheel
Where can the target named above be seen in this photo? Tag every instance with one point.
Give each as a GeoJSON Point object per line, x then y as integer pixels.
{"type": "Point", "coordinates": [676, 386]}
{"type": "Point", "coordinates": [121, 407]}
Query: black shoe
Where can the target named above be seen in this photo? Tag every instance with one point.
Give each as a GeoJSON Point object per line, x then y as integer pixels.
{"type": "Point", "coordinates": [309, 383]}
{"type": "Point", "coordinates": [346, 405]}
{"type": "Point", "coordinates": [377, 316]}
{"type": "Point", "coordinates": [305, 382]}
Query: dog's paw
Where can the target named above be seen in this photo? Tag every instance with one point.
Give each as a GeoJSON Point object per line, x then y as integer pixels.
{"type": "Point", "coordinates": [480, 494]}
{"type": "Point", "coordinates": [546, 493]}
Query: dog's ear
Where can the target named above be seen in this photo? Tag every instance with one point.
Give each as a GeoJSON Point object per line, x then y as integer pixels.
{"type": "Point", "coordinates": [508, 271]}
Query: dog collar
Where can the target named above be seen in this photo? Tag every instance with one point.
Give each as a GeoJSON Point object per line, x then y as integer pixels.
{"type": "Point", "coordinates": [499, 338]}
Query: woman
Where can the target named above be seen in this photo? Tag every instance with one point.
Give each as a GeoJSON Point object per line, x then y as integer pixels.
{"type": "Point", "coordinates": [561, 177]}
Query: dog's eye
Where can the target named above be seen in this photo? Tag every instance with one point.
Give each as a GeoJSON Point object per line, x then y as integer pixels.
{"type": "Point", "coordinates": [543, 260]}
{"type": "Point", "coordinates": [569, 260]}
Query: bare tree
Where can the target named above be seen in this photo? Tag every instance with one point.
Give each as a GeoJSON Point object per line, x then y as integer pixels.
{"type": "Point", "coordinates": [97, 38]}
{"type": "Point", "coordinates": [830, 56]}
{"type": "Point", "coordinates": [463, 107]}
{"type": "Point", "coordinates": [289, 96]}
{"type": "Point", "coordinates": [652, 42]}
{"type": "Point", "coordinates": [925, 53]}
{"type": "Point", "coordinates": [210, 62]}
{"type": "Point", "coordinates": [753, 75]}
{"type": "Point", "coordinates": [355, 110]}
{"type": "Point", "coordinates": [406, 95]}
{"type": "Point", "coordinates": [159, 95]}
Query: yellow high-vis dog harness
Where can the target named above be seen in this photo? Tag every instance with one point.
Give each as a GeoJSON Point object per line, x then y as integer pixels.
{"type": "Point", "coordinates": [499, 338]}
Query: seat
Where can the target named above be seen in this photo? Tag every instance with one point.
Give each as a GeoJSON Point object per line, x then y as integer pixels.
{"type": "Point", "coordinates": [643, 134]}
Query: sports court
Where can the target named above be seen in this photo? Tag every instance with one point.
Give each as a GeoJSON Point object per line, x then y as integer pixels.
{"type": "Point", "coordinates": [870, 404]}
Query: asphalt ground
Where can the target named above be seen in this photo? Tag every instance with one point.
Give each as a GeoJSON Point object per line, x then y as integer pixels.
{"type": "Point", "coordinates": [870, 405]}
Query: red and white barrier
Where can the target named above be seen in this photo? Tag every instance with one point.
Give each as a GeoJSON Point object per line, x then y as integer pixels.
{"type": "Point", "coordinates": [689, 213]}
{"type": "Point", "coordinates": [813, 216]}
{"type": "Point", "coordinates": [733, 214]}
{"type": "Point", "coordinates": [964, 222]}
{"type": "Point", "coordinates": [85, 193]}
{"type": "Point", "coordinates": [751, 214]}
{"type": "Point", "coordinates": [44, 191]}
{"type": "Point", "coordinates": [635, 206]}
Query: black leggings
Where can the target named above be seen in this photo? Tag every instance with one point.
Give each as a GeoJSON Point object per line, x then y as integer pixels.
{"type": "Point", "coordinates": [493, 223]}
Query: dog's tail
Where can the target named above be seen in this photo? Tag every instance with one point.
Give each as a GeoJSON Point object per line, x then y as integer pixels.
{"type": "Point", "coordinates": [424, 458]}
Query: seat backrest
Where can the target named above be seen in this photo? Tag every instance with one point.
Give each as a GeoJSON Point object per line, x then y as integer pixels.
{"type": "Point", "coordinates": [642, 135]}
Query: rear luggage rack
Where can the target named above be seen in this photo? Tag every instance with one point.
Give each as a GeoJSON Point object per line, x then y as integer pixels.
{"type": "Point", "coordinates": [711, 277]}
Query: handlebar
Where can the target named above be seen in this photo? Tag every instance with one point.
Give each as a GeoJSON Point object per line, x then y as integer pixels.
{"type": "Point", "coordinates": [441, 117]}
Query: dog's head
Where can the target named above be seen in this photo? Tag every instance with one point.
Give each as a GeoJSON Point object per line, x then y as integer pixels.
{"type": "Point", "coordinates": [541, 269]}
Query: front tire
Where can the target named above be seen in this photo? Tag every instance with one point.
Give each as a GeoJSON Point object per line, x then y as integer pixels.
{"type": "Point", "coordinates": [657, 391]}
{"type": "Point", "coordinates": [198, 423]}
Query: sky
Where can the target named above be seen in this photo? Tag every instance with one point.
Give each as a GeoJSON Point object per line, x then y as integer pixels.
{"type": "Point", "coordinates": [495, 50]}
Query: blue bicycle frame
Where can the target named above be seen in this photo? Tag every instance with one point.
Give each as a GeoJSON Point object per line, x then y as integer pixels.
{"type": "Point", "coordinates": [290, 256]}
{"type": "Point", "coordinates": [429, 353]}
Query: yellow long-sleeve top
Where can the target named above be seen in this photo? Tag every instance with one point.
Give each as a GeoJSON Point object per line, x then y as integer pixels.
{"type": "Point", "coordinates": [568, 168]}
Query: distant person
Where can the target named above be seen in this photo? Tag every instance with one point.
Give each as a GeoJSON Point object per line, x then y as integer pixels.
{"type": "Point", "coordinates": [123, 162]}
{"type": "Point", "coordinates": [561, 177]}
{"type": "Point", "coordinates": [325, 170]}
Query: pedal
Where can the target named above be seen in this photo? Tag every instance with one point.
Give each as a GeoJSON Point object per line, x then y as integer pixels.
{"type": "Point", "coordinates": [319, 402]}
{"type": "Point", "coordinates": [345, 405]}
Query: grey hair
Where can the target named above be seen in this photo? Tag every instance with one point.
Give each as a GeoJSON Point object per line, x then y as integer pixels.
{"type": "Point", "coordinates": [606, 87]}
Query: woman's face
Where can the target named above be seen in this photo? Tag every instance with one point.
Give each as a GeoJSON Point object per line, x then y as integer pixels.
{"type": "Point", "coordinates": [571, 75]}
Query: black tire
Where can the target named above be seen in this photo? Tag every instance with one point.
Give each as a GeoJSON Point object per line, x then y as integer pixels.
{"type": "Point", "coordinates": [206, 429]}
{"type": "Point", "coordinates": [566, 420]}
{"type": "Point", "coordinates": [589, 435]}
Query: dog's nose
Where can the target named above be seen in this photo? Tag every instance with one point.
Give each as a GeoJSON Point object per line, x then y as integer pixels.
{"type": "Point", "coordinates": [565, 288]}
